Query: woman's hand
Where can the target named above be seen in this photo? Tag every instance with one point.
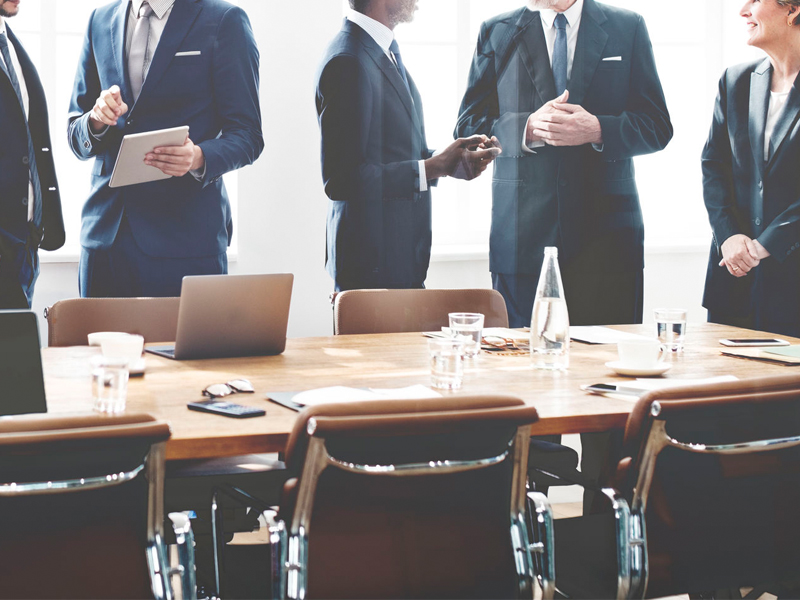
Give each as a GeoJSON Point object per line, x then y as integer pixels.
{"type": "Point", "coordinates": [740, 254]}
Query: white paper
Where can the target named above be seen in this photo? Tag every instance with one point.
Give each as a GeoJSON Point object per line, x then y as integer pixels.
{"type": "Point", "coordinates": [601, 335]}
{"type": "Point", "coordinates": [339, 394]}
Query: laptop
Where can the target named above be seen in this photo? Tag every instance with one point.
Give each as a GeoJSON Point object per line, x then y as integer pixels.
{"type": "Point", "coordinates": [223, 316]}
{"type": "Point", "coordinates": [22, 389]}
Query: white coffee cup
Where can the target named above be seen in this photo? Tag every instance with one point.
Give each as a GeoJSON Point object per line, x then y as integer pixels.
{"type": "Point", "coordinates": [123, 345]}
{"type": "Point", "coordinates": [640, 353]}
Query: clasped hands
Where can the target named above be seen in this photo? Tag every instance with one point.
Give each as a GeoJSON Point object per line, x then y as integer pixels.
{"type": "Point", "coordinates": [466, 158]}
{"type": "Point", "coordinates": [171, 160]}
{"type": "Point", "coordinates": [560, 124]}
{"type": "Point", "coordinates": [742, 254]}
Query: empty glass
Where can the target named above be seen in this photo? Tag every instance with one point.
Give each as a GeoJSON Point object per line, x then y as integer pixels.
{"type": "Point", "coordinates": [109, 384]}
{"type": "Point", "coordinates": [447, 363]}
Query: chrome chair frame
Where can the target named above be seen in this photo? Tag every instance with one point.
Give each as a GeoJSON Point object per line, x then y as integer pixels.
{"type": "Point", "coordinates": [631, 533]}
{"type": "Point", "coordinates": [157, 556]}
{"type": "Point", "coordinates": [289, 545]}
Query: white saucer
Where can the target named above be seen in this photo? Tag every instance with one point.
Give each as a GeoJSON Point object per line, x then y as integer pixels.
{"type": "Point", "coordinates": [621, 369]}
{"type": "Point", "coordinates": [137, 368]}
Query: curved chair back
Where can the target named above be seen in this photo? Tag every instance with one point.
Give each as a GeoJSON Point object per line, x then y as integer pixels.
{"type": "Point", "coordinates": [397, 311]}
{"type": "Point", "coordinates": [712, 471]}
{"type": "Point", "coordinates": [81, 508]}
{"type": "Point", "coordinates": [408, 499]}
{"type": "Point", "coordinates": [70, 321]}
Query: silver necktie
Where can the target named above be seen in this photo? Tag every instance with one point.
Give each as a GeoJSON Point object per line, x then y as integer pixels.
{"type": "Point", "coordinates": [140, 53]}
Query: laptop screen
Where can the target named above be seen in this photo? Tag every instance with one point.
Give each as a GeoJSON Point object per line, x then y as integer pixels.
{"type": "Point", "coordinates": [21, 378]}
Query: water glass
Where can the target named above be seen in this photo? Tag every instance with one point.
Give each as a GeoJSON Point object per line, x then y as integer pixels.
{"type": "Point", "coordinates": [671, 327]}
{"type": "Point", "coordinates": [447, 363]}
{"type": "Point", "coordinates": [468, 327]}
{"type": "Point", "coordinates": [109, 384]}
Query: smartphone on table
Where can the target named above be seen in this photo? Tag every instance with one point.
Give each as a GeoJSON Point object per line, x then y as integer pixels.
{"type": "Point", "coordinates": [745, 342]}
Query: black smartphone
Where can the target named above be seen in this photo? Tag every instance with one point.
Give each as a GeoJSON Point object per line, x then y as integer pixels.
{"type": "Point", "coordinates": [740, 342]}
{"type": "Point", "coordinates": [610, 388]}
{"type": "Point", "coordinates": [226, 409]}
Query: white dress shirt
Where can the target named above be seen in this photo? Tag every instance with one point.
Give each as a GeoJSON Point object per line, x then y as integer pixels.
{"type": "Point", "coordinates": [777, 100]}
{"type": "Point", "coordinates": [25, 100]}
{"type": "Point", "coordinates": [384, 37]}
{"type": "Point", "coordinates": [548, 15]}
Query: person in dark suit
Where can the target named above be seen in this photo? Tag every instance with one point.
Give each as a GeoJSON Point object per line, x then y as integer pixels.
{"type": "Point", "coordinates": [376, 165]}
{"type": "Point", "coordinates": [30, 205]}
{"type": "Point", "coordinates": [570, 89]}
{"type": "Point", "coordinates": [149, 65]}
{"type": "Point", "coordinates": [751, 180]}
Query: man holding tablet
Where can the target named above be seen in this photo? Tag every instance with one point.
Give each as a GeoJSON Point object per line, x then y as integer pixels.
{"type": "Point", "coordinates": [150, 65]}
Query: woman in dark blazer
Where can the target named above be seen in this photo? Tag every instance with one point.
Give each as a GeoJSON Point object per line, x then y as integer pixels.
{"type": "Point", "coordinates": [751, 179]}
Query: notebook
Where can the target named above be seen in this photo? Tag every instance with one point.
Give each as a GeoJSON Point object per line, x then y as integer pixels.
{"type": "Point", "coordinates": [22, 389]}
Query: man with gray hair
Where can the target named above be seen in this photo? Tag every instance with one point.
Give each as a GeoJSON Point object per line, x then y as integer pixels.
{"type": "Point", "coordinates": [570, 89]}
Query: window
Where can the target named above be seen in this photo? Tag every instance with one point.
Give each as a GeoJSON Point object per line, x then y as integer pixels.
{"type": "Point", "coordinates": [691, 51]}
{"type": "Point", "coordinates": [52, 33]}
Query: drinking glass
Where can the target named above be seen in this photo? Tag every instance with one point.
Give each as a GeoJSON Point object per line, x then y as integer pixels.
{"type": "Point", "coordinates": [671, 328]}
{"type": "Point", "coordinates": [109, 384]}
{"type": "Point", "coordinates": [447, 363]}
{"type": "Point", "coordinates": [469, 327]}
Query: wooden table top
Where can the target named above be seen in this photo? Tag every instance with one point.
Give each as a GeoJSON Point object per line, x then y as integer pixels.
{"type": "Point", "coordinates": [382, 361]}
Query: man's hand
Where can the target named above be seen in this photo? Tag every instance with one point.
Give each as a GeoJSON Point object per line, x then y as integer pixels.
{"type": "Point", "coordinates": [466, 158]}
{"type": "Point", "coordinates": [108, 108]}
{"type": "Point", "coordinates": [177, 160]}
{"type": "Point", "coordinates": [546, 109]}
{"type": "Point", "coordinates": [740, 254]}
{"type": "Point", "coordinates": [566, 125]}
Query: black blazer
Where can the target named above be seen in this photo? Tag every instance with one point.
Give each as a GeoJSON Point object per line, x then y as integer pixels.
{"type": "Point", "coordinates": [373, 135]}
{"type": "Point", "coordinates": [745, 194]}
{"type": "Point", "coordinates": [565, 197]}
{"type": "Point", "coordinates": [14, 173]}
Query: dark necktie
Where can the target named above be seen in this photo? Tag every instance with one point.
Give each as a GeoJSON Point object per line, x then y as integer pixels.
{"type": "Point", "coordinates": [29, 160]}
{"type": "Point", "coordinates": [395, 50]}
{"type": "Point", "coordinates": [560, 54]}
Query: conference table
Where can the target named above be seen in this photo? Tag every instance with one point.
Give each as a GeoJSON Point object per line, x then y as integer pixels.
{"type": "Point", "coordinates": [376, 361]}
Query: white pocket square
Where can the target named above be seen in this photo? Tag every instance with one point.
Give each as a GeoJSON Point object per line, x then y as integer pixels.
{"type": "Point", "coordinates": [612, 58]}
{"type": "Point", "coordinates": [189, 53]}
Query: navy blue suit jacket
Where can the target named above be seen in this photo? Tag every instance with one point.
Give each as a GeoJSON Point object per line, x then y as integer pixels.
{"type": "Point", "coordinates": [214, 91]}
{"type": "Point", "coordinates": [15, 231]}
{"type": "Point", "coordinates": [566, 196]}
{"type": "Point", "coordinates": [759, 198]}
{"type": "Point", "coordinates": [373, 137]}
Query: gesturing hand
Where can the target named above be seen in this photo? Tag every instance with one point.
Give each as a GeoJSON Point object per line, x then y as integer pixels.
{"type": "Point", "coordinates": [565, 125]}
{"type": "Point", "coordinates": [465, 158]}
{"type": "Point", "coordinates": [177, 160]}
{"type": "Point", "coordinates": [107, 109]}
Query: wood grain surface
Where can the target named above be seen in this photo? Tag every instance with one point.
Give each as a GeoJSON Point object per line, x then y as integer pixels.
{"type": "Point", "coordinates": [387, 360]}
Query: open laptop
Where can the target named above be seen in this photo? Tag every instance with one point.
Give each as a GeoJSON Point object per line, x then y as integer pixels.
{"type": "Point", "coordinates": [22, 389]}
{"type": "Point", "coordinates": [223, 316]}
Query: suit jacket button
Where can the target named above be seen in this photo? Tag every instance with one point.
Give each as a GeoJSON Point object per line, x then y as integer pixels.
{"type": "Point", "coordinates": [25, 160]}
{"type": "Point", "coordinates": [25, 201]}
{"type": "Point", "coordinates": [758, 221]}
{"type": "Point", "coordinates": [129, 122]}
{"type": "Point", "coordinates": [761, 185]}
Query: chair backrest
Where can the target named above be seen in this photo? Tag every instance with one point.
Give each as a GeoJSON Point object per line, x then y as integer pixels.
{"type": "Point", "coordinates": [398, 311]}
{"type": "Point", "coordinates": [715, 470]}
{"type": "Point", "coordinates": [81, 507]}
{"type": "Point", "coordinates": [411, 499]}
{"type": "Point", "coordinates": [69, 322]}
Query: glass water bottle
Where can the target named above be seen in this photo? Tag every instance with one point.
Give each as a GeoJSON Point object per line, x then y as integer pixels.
{"type": "Point", "coordinates": [550, 320]}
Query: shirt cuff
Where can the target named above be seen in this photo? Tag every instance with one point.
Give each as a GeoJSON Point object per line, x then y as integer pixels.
{"type": "Point", "coordinates": [423, 177]}
{"type": "Point", "coordinates": [529, 148]}
{"type": "Point", "coordinates": [599, 147]}
{"type": "Point", "coordinates": [199, 174]}
{"type": "Point", "coordinates": [99, 135]}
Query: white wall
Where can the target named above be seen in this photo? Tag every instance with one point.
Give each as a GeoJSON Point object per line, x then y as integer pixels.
{"type": "Point", "coordinates": [282, 208]}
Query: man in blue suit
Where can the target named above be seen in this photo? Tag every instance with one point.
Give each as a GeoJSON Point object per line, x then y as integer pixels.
{"type": "Point", "coordinates": [376, 164]}
{"type": "Point", "coordinates": [30, 206]}
{"type": "Point", "coordinates": [157, 64]}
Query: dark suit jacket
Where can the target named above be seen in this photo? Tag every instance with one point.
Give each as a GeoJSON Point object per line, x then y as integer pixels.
{"type": "Point", "coordinates": [214, 92]}
{"type": "Point", "coordinates": [15, 231]}
{"type": "Point", "coordinates": [569, 196]}
{"type": "Point", "coordinates": [373, 135]}
{"type": "Point", "coordinates": [761, 199]}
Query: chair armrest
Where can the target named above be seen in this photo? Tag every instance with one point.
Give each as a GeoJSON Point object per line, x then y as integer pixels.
{"type": "Point", "coordinates": [185, 569]}
{"type": "Point", "coordinates": [279, 549]}
{"type": "Point", "coordinates": [542, 545]}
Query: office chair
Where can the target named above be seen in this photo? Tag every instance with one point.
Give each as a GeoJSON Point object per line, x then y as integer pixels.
{"type": "Point", "coordinates": [410, 499]}
{"type": "Point", "coordinates": [706, 499]}
{"type": "Point", "coordinates": [70, 321]}
{"type": "Point", "coordinates": [81, 509]}
{"type": "Point", "coordinates": [396, 311]}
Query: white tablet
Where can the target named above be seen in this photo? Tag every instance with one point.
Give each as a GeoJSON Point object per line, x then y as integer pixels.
{"type": "Point", "coordinates": [130, 168]}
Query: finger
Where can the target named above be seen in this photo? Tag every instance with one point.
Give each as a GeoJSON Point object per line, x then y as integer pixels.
{"type": "Point", "coordinates": [487, 154]}
{"type": "Point", "coordinates": [496, 143]}
{"type": "Point", "coordinates": [568, 108]}
{"type": "Point", "coordinates": [751, 249]}
{"type": "Point", "coordinates": [170, 159]}
{"type": "Point", "coordinates": [167, 168]}
{"type": "Point", "coordinates": [104, 114]}
{"type": "Point", "coordinates": [111, 100]}
{"type": "Point", "coordinates": [171, 150]}
{"type": "Point", "coordinates": [473, 140]}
